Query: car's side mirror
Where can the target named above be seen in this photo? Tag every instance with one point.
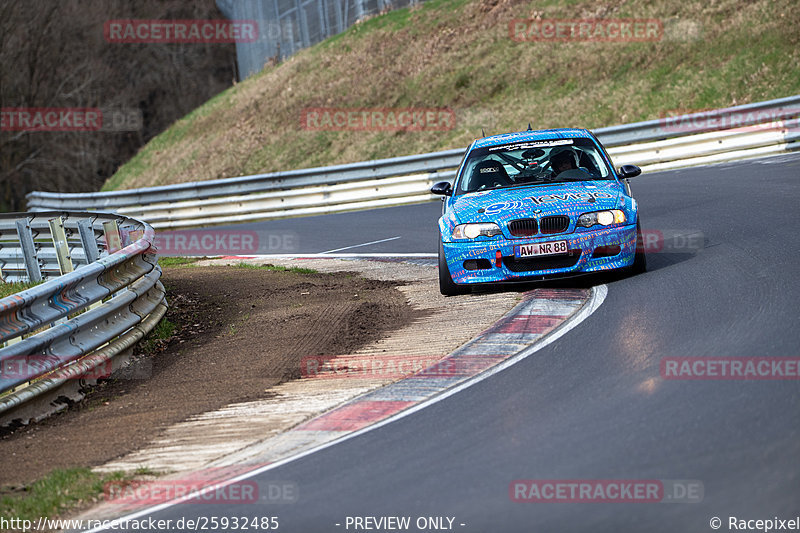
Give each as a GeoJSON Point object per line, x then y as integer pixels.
{"type": "Point", "coordinates": [443, 188]}
{"type": "Point", "coordinates": [629, 171]}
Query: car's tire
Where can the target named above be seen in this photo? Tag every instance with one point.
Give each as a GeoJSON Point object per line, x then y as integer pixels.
{"type": "Point", "coordinates": [446, 284]}
{"type": "Point", "coordinates": [640, 259]}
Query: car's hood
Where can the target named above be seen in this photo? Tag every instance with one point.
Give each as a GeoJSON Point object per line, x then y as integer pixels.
{"type": "Point", "coordinates": [571, 198]}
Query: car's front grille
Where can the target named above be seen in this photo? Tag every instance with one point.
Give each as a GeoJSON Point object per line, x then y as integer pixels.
{"type": "Point", "coordinates": [523, 227]}
{"type": "Point", "coordinates": [530, 264]}
{"type": "Point", "coordinates": [554, 224]}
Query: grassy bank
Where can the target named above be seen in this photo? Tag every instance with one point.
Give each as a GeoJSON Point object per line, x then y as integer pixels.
{"type": "Point", "coordinates": [58, 494]}
{"type": "Point", "coordinates": [459, 54]}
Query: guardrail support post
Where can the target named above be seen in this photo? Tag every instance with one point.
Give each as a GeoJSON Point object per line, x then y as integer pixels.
{"type": "Point", "coordinates": [15, 339]}
{"type": "Point", "coordinates": [88, 241]}
{"type": "Point", "coordinates": [90, 249]}
{"type": "Point", "coordinates": [113, 239]}
{"type": "Point", "coordinates": [28, 250]}
{"type": "Point", "coordinates": [61, 245]}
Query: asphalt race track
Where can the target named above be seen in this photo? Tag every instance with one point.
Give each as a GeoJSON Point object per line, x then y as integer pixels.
{"type": "Point", "coordinates": [400, 230]}
{"type": "Point", "coordinates": [593, 405]}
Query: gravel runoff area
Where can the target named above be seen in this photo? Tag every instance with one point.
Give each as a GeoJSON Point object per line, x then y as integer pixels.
{"type": "Point", "coordinates": [228, 378]}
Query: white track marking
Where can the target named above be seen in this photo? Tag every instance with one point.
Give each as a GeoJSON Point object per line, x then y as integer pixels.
{"type": "Point", "coordinates": [334, 256]}
{"type": "Point", "coordinates": [359, 245]}
{"type": "Point", "coordinates": [597, 297]}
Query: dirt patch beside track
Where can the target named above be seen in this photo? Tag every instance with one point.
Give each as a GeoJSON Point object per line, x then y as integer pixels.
{"type": "Point", "coordinates": [239, 332]}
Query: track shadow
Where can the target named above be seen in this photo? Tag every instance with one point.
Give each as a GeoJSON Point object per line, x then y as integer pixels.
{"type": "Point", "coordinates": [655, 262]}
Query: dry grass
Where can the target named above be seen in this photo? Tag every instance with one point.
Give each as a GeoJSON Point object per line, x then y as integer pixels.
{"type": "Point", "coordinates": [7, 289]}
{"type": "Point", "coordinates": [458, 54]}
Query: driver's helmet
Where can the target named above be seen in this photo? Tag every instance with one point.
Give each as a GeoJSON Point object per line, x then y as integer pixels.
{"type": "Point", "coordinates": [561, 155]}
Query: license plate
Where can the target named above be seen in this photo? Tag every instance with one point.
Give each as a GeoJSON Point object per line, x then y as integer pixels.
{"type": "Point", "coordinates": [541, 248]}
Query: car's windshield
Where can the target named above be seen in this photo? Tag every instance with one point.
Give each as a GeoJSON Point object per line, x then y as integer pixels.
{"type": "Point", "coordinates": [532, 163]}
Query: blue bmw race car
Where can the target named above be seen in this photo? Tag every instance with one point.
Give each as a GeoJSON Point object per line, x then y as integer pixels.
{"type": "Point", "coordinates": [534, 205]}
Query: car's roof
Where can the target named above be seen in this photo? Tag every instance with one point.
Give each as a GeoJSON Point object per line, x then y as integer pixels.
{"type": "Point", "coordinates": [539, 135]}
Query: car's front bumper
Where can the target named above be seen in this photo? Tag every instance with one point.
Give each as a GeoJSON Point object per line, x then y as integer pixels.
{"type": "Point", "coordinates": [477, 261]}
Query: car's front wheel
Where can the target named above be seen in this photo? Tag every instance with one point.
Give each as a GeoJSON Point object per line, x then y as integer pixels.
{"type": "Point", "coordinates": [446, 284]}
{"type": "Point", "coordinates": [639, 260]}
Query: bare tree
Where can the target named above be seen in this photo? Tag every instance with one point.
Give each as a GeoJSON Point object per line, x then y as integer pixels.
{"type": "Point", "coordinates": [53, 54]}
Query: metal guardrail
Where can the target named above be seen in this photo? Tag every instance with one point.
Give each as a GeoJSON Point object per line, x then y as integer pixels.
{"type": "Point", "coordinates": [78, 318]}
{"type": "Point", "coordinates": [752, 130]}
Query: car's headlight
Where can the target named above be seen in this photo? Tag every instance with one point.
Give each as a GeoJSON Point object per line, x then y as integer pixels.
{"type": "Point", "coordinates": [604, 218]}
{"type": "Point", "coordinates": [471, 231]}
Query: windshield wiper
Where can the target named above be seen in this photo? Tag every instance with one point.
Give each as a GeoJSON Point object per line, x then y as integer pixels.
{"type": "Point", "coordinates": [534, 184]}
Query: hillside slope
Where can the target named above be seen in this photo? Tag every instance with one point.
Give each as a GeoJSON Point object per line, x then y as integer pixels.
{"type": "Point", "coordinates": [458, 54]}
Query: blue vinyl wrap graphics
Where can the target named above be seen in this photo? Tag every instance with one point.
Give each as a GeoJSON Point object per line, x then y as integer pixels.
{"type": "Point", "coordinates": [536, 201]}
